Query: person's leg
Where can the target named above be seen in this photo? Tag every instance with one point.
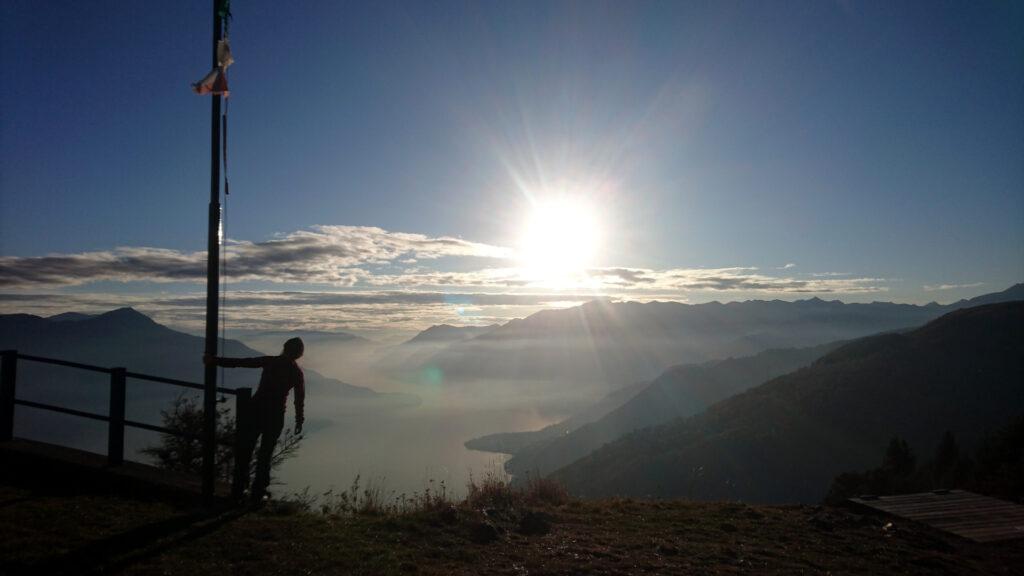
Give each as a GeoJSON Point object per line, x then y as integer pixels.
{"type": "Point", "coordinates": [271, 430]}
{"type": "Point", "coordinates": [249, 431]}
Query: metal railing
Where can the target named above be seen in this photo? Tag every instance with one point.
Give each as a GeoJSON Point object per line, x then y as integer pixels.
{"type": "Point", "coordinates": [116, 415]}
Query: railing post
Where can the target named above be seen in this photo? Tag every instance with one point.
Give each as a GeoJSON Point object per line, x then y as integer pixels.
{"type": "Point", "coordinates": [115, 435]}
{"type": "Point", "coordinates": [8, 377]}
{"type": "Point", "coordinates": [243, 399]}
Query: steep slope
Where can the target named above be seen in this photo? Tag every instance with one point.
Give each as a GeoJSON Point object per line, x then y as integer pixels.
{"type": "Point", "coordinates": [786, 439]}
{"type": "Point", "coordinates": [514, 442]}
{"type": "Point", "coordinates": [679, 392]}
{"type": "Point", "coordinates": [1011, 294]}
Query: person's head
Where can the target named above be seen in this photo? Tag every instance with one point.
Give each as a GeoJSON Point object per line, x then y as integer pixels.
{"type": "Point", "coordinates": [293, 348]}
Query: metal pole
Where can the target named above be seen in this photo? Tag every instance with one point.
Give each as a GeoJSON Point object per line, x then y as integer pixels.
{"type": "Point", "coordinates": [212, 283]}
{"type": "Point", "coordinates": [115, 433]}
{"type": "Point", "coordinates": [8, 377]}
{"type": "Point", "coordinates": [240, 480]}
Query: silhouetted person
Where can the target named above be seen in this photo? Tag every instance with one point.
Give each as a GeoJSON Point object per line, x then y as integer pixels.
{"type": "Point", "coordinates": [266, 421]}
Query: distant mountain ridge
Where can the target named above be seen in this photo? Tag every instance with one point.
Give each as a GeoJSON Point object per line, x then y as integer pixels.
{"type": "Point", "coordinates": [613, 343]}
{"type": "Point", "coordinates": [125, 337]}
{"type": "Point", "coordinates": [449, 333]}
{"type": "Point", "coordinates": [336, 354]}
{"type": "Point", "coordinates": [405, 361]}
{"type": "Point", "coordinates": [121, 337]}
{"type": "Point", "coordinates": [307, 335]}
{"type": "Point", "coordinates": [69, 317]}
{"type": "Point", "coordinates": [786, 439]}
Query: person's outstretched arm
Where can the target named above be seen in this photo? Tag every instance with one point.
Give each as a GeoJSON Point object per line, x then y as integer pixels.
{"type": "Point", "coordinates": [257, 362]}
{"type": "Point", "coordinates": [300, 402]}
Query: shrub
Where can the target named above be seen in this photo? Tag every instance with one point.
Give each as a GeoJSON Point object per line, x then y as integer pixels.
{"type": "Point", "coordinates": [493, 491]}
{"type": "Point", "coordinates": [183, 452]}
{"type": "Point", "coordinates": [540, 490]}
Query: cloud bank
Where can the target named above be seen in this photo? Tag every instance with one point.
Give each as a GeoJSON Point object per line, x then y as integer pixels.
{"type": "Point", "coordinates": [325, 254]}
{"type": "Point", "coordinates": [368, 257]}
{"type": "Point", "coordinates": [371, 280]}
{"type": "Point", "coordinates": [938, 287]}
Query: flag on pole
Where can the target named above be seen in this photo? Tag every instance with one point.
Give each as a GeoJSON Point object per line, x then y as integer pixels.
{"type": "Point", "coordinates": [216, 80]}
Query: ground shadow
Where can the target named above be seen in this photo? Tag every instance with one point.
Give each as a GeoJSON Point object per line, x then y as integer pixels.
{"type": "Point", "coordinates": [120, 551]}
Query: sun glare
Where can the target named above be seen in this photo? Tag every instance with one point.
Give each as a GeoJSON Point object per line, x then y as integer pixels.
{"type": "Point", "coordinates": [560, 240]}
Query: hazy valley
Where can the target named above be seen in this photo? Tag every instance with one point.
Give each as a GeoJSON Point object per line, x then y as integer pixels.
{"type": "Point", "coordinates": [558, 392]}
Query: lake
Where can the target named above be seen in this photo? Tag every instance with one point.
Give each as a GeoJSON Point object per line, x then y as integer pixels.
{"type": "Point", "coordinates": [402, 450]}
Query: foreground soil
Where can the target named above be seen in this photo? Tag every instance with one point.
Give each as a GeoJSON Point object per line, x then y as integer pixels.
{"type": "Point", "coordinates": [43, 533]}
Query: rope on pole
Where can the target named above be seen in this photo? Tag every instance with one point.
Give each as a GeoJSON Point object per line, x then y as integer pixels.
{"type": "Point", "coordinates": [224, 236]}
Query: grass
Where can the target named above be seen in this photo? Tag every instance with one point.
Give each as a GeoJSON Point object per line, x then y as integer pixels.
{"type": "Point", "coordinates": [494, 530]}
{"type": "Point", "coordinates": [493, 491]}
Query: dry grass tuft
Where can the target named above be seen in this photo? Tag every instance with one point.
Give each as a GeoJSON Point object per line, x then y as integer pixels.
{"type": "Point", "coordinates": [545, 491]}
{"type": "Point", "coordinates": [492, 491]}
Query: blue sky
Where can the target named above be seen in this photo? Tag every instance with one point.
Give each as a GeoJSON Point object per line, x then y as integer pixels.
{"type": "Point", "coordinates": [874, 146]}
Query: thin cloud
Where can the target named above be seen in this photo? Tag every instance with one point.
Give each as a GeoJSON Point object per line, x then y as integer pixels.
{"type": "Point", "coordinates": [325, 254]}
{"type": "Point", "coordinates": [359, 260]}
{"type": "Point", "coordinates": [937, 287]}
{"type": "Point", "coordinates": [735, 279]}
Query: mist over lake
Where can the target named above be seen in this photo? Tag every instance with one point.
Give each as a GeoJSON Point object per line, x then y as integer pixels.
{"type": "Point", "coordinates": [402, 450]}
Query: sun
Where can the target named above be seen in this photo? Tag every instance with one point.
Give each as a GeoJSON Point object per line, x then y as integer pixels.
{"type": "Point", "coordinates": [560, 240]}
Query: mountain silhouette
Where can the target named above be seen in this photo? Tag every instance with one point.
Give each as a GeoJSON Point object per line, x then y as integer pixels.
{"type": "Point", "coordinates": [517, 442]}
{"type": "Point", "coordinates": [786, 439]}
{"type": "Point", "coordinates": [606, 345]}
{"type": "Point", "coordinates": [337, 354]}
{"type": "Point", "coordinates": [128, 338]}
{"type": "Point", "coordinates": [449, 333]}
{"type": "Point", "coordinates": [306, 335]}
{"type": "Point", "coordinates": [405, 361]}
{"type": "Point", "coordinates": [680, 391]}
{"type": "Point", "coordinates": [69, 317]}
